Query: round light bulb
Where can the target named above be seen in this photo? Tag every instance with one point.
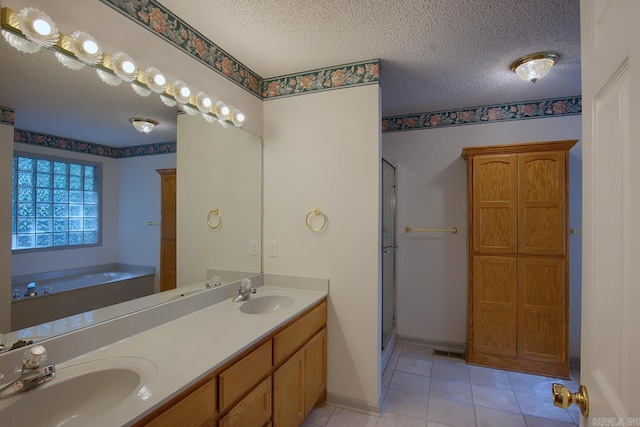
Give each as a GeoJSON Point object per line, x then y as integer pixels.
{"type": "Point", "coordinates": [90, 47]}
{"type": "Point", "coordinates": [224, 111]}
{"type": "Point", "coordinates": [184, 91]}
{"type": "Point", "coordinates": [128, 67]}
{"type": "Point", "coordinates": [206, 102]}
{"type": "Point", "coordinates": [42, 27]}
{"type": "Point", "coordinates": [237, 118]}
{"type": "Point", "coordinates": [159, 79]}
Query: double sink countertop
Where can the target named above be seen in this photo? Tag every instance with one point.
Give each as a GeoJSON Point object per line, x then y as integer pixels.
{"type": "Point", "coordinates": [171, 356]}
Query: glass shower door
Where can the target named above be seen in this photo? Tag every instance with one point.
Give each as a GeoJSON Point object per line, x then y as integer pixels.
{"type": "Point", "coordinates": [388, 251]}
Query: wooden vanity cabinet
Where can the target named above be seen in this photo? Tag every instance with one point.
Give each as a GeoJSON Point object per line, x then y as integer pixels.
{"type": "Point", "coordinates": [315, 370]}
{"type": "Point", "coordinates": [274, 383]}
{"type": "Point", "coordinates": [518, 257]}
{"type": "Point", "coordinates": [288, 382]}
{"type": "Point", "coordinates": [300, 382]}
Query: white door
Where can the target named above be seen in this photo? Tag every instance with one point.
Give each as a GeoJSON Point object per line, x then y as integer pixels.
{"type": "Point", "coordinates": [611, 211]}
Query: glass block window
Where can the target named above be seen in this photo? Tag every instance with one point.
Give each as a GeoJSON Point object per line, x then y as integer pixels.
{"type": "Point", "coordinates": [55, 203]}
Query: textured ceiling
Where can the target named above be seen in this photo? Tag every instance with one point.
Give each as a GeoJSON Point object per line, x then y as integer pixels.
{"type": "Point", "coordinates": [435, 54]}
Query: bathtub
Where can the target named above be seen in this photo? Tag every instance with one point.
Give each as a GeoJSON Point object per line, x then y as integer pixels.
{"type": "Point", "coordinates": [69, 292]}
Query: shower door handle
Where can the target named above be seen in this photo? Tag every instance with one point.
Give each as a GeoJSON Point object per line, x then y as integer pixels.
{"type": "Point", "coordinates": [389, 249]}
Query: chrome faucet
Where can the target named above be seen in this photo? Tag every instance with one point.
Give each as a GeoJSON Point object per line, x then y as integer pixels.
{"type": "Point", "coordinates": [33, 372]}
{"type": "Point", "coordinates": [245, 291]}
{"type": "Point", "coordinates": [213, 282]}
{"type": "Point", "coordinates": [31, 290]}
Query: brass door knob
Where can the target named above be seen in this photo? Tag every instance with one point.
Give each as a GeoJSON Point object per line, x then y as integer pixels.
{"type": "Point", "coordinates": [563, 398]}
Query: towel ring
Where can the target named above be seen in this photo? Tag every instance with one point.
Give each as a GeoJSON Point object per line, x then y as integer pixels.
{"type": "Point", "coordinates": [316, 212]}
{"type": "Point", "coordinates": [215, 212]}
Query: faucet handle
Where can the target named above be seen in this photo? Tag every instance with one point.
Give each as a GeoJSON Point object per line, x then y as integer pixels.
{"type": "Point", "coordinates": [34, 357]}
{"type": "Point", "coordinates": [245, 284]}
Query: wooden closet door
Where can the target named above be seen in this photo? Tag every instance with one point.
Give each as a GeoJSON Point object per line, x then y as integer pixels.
{"type": "Point", "coordinates": [494, 305]}
{"type": "Point", "coordinates": [542, 309]}
{"type": "Point", "coordinates": [541, 203]}
{"type": "Point", "coordinates": [168, 255]}
{"type": "Point", "coordinates": [494, 204]}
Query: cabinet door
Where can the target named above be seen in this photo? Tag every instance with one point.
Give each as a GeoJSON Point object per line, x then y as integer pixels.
{"type": "Point", "coordinates": [494, 309]}
{"type": "Point", "coordinates": [541, 203]}
{"type": "Point", "coordinates": [494, 204]}
{"type": "Point", "coordinates": [542, 309]}
{"type": "Point", "coordinates": [288, 392]}
{"type": "Point", "coordinates": [315, 372]}
{"type": "Point", "coordinates": [252, 411]}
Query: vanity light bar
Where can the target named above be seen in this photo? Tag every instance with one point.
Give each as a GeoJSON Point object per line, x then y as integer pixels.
{"type": "Point", "coordinates": [10, 22]}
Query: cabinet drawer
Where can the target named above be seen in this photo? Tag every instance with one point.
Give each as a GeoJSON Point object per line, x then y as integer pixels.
{"type": "Point", "coordinates": [244, 374]}
{"type": "Point", "coordinates": [296, 334]}
{"type": "Point", "coordinates": [197, 409]}
{"type": "Point", "coordinates": [252, 411]}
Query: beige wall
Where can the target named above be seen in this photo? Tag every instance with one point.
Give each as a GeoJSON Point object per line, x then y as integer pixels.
{"type": "Point", "coordinates": [323, 150]}
{"type": "Point", "coordinates": [6, 157]}
{"type": "Point", "coordinates": [432, 192]}
{"type": "Point", "coordinates": [218, 168]}
{"type": "Point", "coordinates": [138, 203]}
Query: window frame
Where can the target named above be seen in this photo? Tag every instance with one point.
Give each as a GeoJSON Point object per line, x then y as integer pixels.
{"type": "Point", "coordinates": [98, 175]}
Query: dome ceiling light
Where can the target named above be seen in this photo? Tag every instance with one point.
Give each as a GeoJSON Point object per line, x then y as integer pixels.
{"type": "Point", "coordinates": [532, 68]}
{"type": "Point", "coordinates": [143, 125]}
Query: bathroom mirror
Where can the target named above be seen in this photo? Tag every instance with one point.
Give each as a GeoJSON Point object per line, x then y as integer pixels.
{"type": "Point", "coordinates": [50, 99]}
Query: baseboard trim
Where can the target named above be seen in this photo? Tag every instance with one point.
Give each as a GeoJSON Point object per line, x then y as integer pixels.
{"type": "Point", "coordinates": [353, 404]}
{"type": "Point", "coordinates": [574, 361]}
{"type": "Point", "coordinates": [440, 345]}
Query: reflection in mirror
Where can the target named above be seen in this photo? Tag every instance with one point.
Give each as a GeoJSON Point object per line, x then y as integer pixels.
{"type": "Point", "coordinates": [77, 108]}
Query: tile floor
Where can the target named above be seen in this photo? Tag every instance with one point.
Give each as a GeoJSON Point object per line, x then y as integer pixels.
{"type": "Point", "coordinates": [422, 390]}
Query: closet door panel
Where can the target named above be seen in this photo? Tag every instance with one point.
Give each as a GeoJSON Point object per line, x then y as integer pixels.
{"type": "Point", "coordinates": [542, 214]}
{"type": "Point", "coordinates": [542, 309]}
{"type": "Point", "coordinates": [494, 204]}
{"type": "Point", "coordinates": [495, 305]}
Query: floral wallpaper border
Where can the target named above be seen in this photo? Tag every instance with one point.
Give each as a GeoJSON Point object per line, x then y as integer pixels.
{"type": "Point", "coordinates": [487, 114]}
{"type": "Point", "coordinates": [159, 20]}
{"type": "Point", "coordinates": [353, 74]}
{"type": "Point", "coordinates": [51, 141]}
{"type": "Point", "coordinates": [7, 115]}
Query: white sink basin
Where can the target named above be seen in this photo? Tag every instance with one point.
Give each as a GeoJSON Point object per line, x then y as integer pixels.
{"type": "Point", "coordinates": [266, 304]}
{"type": "Point", "coordinates": [80, 393]}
